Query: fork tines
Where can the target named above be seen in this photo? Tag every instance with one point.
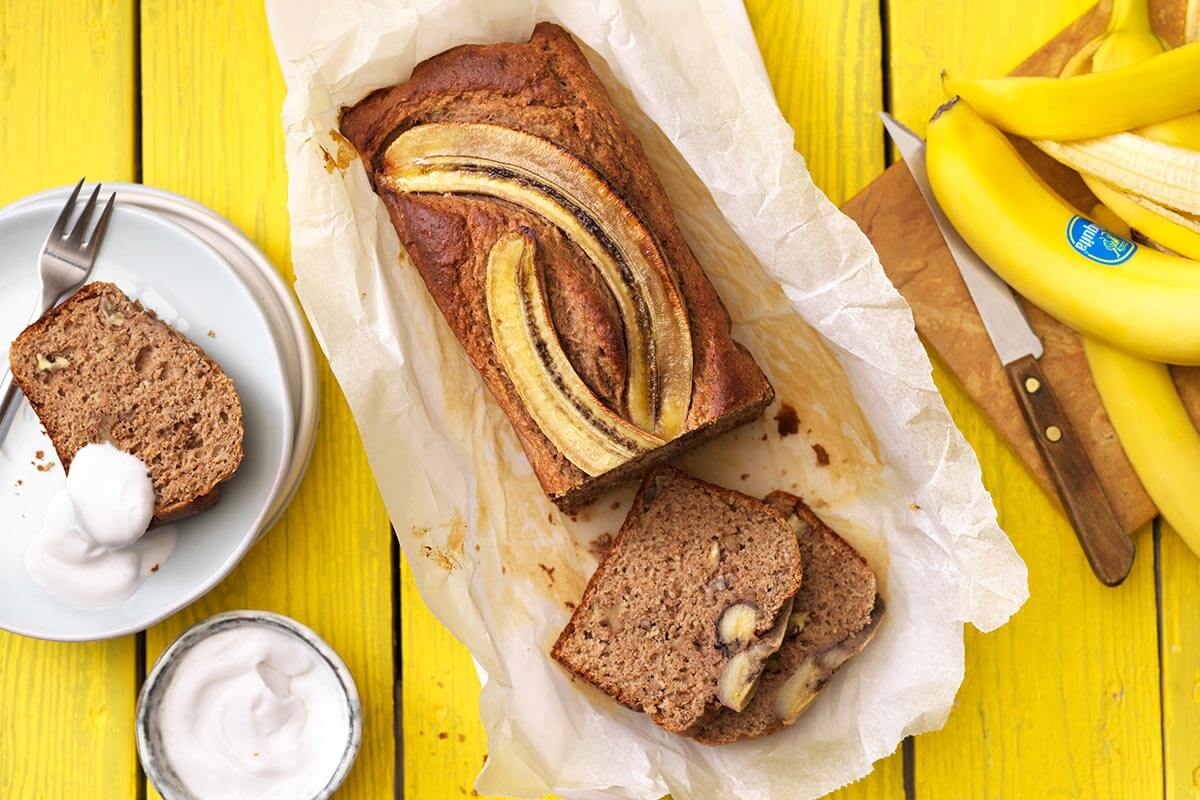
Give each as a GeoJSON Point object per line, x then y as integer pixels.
{"type": "Point", "coordinates": [75, 237]}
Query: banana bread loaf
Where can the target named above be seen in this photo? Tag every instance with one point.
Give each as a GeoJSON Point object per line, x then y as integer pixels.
{"type": "Point", "coordinates": [833, 617]}
{"type": "Point", "coordinates": [543, 235]}
{"type": "Point", "coordinates": [101, 368]}
{"type": "Point", "coordinates": [688, 604]}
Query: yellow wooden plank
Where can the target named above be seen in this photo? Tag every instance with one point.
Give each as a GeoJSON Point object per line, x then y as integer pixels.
{"type": "Point", "coordinates": [66, 84]}
{"type": "Point", "coordinates": [824, 63]}
{"type": "Point", "coordinates": [212, 94]}
{"type": "Point", "coordinates": [444, 741]}
{"type": "Point", "coordinates": [1064, 700]}
{"type": "Point", "coordinates": [1180, 575]}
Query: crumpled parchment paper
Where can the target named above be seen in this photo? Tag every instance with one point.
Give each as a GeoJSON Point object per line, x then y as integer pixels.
{"type": "Point", "coordinates": [875, 451]}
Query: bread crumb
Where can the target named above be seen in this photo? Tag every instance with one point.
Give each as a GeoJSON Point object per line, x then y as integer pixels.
{"type": "Point", "coordinates": [49, 465]}
{"type": "Point", "coordinates": [210, 334]}
{"type": "Point", "coordinates": [822, 455]}
{"type": "Point", "coordinates": [745, 475]}
{"type": "Point", "coordinates": [788, 420]}
{"type": "Point", "coordinates": [600, 545]}
{"type": "Point", "coordinates": [39, 455]}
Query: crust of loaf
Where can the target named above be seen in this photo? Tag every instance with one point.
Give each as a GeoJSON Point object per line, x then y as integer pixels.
{"type": "Point", "coordinates": [546, 88]}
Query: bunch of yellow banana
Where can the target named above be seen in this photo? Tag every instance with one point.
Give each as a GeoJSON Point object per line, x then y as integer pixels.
{"type": "Point", "coordinates": [1125, 116]}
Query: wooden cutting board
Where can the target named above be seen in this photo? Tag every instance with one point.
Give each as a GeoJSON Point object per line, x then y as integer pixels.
{"type": "Point", "coordinates": [893, 214]}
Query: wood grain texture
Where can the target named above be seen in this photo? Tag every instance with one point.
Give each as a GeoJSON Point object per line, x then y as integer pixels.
{"type": "Point", "coordinates": [824, 62]}
{"type": "Point", "coordinates": [1180, 571]}
{"type": "Point", "coordinates": [444, 741]}
{"type": "Point", "coordinates": [212, 95]}
{"type": "Point", "coordinates": [1109, 551]}
{"type": "Point", "coordinates": [66, 710]}
{"type": "Point", "coordinates": [1062, 701]}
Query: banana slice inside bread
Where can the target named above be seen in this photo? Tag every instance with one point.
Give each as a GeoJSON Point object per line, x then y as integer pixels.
{"type": "Point", "coordinates": [833, 617]}
{"type": "Point", "coordinates": [99, 367]}
{"type": "Point", "coordinates": [688, 604]}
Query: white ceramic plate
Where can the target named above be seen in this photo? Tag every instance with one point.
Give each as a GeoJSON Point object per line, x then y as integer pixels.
{"type": "Point", "coordinates": [248, 262]}
{"type": "Point", "coordinates": [191, 287]}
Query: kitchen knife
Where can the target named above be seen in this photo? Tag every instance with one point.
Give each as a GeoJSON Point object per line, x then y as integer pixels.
{"type": "Point", "coordinates": [1108, 549]}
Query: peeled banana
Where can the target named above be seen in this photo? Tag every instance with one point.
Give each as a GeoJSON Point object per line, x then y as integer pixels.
{"type": "Point", "coordinates": [1136, 298]}
{"type": "Point", "coordinates": [1091, 105]}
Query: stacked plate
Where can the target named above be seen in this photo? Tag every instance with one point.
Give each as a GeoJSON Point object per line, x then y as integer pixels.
{"type": "Point", "coordinates": [202, 275]}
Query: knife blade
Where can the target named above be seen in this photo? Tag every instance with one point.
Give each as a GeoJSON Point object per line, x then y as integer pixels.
{"type": "Point", "coordinates": [1002, 316]}
{"type": "Point", "coordinates": [1108, 549]}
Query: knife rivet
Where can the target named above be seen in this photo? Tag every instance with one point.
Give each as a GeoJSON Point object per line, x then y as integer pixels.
{"type": "Point", "coordinates": [1032, 385]}
{"type": "Point", "coordinates": [1053, 433]}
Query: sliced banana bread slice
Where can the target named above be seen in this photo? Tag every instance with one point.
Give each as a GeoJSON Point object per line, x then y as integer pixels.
{"type": "Point", "coordinates": [99, 367]}
{"type": "Point", "coordinates": [834, 615]}
{"type": "Point", "coordinates": [688, 603]}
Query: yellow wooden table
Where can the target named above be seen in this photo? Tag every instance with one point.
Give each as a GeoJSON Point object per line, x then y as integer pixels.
{"type": "Point", "coordinates": [1087, 693]}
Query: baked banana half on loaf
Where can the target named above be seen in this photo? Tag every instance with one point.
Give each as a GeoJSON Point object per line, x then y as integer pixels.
{"type": "Point", "coordinates": [689, 603]}
{"type": "Point", "coordinates": [833, 617]}
{"type": "Point", "coordinates": [543, 235]}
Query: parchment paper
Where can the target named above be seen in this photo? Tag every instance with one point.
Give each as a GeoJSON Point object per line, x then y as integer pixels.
{"type": "Point", "coordinates": [874, 452]}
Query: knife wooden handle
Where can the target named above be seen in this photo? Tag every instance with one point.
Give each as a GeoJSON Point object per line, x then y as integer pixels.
{"type": "Point", "coordinates": [1108, 548]}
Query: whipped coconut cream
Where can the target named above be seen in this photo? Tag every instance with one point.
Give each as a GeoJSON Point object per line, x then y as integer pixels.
{"type": "Point", "coordinates": [91, 551]}
{"type": "Point", "coordinates": [253, 712]}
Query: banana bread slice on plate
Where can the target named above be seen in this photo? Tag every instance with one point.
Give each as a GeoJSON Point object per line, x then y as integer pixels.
{"type": "Point", "coordinates": [688, 603]}
{"type": "Point", "coordinates": [99, 367]}
{"type": "Point", "coordinates": [833, 617]}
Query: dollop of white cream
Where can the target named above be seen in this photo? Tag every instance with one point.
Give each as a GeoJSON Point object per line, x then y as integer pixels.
{"type": "Point", "coordinates": [112, 494]}
{"type": "Point", "coordinates": [91, 551]}
{"type": "Point", "coordinates": [253, 712]}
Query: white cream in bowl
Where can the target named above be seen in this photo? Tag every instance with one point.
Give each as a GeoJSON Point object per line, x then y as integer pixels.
{"type": "Point", "coordinates": [248, 705]}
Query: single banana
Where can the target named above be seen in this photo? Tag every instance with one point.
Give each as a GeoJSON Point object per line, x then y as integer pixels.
{"type": "Point", "coordinates": [1155, 430]}
{"type": "Point", "coordinates": [1151, 422]}
{"type": "Point", "coordinates": [1087, 106]}
{"type": "Point", "coordinates": [1136, 298]}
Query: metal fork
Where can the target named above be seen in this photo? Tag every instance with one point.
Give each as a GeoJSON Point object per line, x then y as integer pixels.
{"type": "Point", "coordinates": [64, 263]}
